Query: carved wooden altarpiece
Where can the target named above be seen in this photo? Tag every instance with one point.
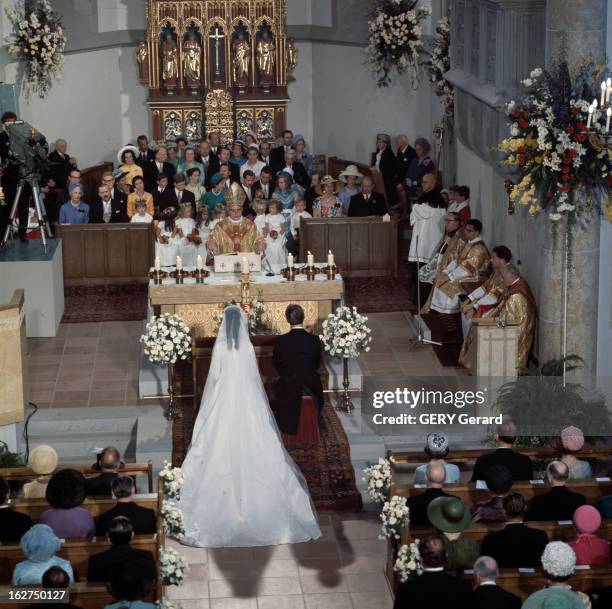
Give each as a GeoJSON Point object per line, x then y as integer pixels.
{"type": "Point", "coordinates": [205, 60]}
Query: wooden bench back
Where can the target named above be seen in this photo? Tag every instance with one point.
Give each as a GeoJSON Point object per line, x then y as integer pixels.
{"type": "Point", "coordinates": [129, 469]}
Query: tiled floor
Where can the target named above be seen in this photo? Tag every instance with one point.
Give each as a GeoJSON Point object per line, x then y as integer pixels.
{"type": "Point", "coordinates": [341, 570]}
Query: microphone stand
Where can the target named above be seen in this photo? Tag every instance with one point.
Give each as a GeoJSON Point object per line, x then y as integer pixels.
{"type": "Point", "coordinates": [420, 339]}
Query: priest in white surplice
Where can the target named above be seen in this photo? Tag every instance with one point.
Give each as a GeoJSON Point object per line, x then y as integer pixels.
{"type": "Point", "coordinates": [428, 229]}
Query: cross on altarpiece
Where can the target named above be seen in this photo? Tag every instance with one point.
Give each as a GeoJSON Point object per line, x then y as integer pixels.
{"type": "Point", "coordinates": [217, 37]}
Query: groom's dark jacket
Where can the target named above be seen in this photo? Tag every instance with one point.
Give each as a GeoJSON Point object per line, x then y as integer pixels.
{"type": "Point", "coordinates": [297, 358]}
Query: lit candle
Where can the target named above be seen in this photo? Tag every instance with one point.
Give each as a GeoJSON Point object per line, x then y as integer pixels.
{"type": "Point", "coordinates": [290, 261]}
{"type": "Point", "coordinates": [157, 263]}
{"type": "Point", "coordinates": [603, 93]}
{"type": "Point", "coordinates": [199, 263]}
{"type": "Point", "coordinates": [245, 265]}
{"type": "Point", "coordinates": [310, 259]}
{"type": "Point", "coordinates": [608, 115]}
{"type": "Point", "coordinates": [330, 259]}
{"type": "Point", "coordinates": [591, 110]}
{"type": "Point", "coordinates": [179, 263]}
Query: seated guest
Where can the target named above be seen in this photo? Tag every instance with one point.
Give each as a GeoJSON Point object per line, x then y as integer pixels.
{"type": "Point", "coordinates": [427, 221]}
{"type": "Point", "coordinates": [40, 546]}
{"type": "Point", "coordinates": [499, 483]}
{"type": "Point", "coordinates": [248, 180]}
{"type": "Point", "coordinates": [158, 191]}
{"type": "Point", "coordinates": [264, 187]}
{"type": "Point", "coordinates": [299, 212]}
{"type": "Point", "coordinates": [312, 192]}
{"type": "Point", "coordinates": [120, 555]}
{"type": "Point", "coordinates": [126, 158]}
{"type": "Point", "coordinates": [265, 148]}
{"type": "Point", "coordinates": [589, 549]}
{"type": "Point", "coordinates": [295, 169]}
{"type": "Point", "coordinates": [142, 519]}
{"type": "Point", "coordinates": [12, 524]}
{"type": "Point", "coordinates": [351, 178]}
{"type": "Point", "coordinates": [287, 193]}
{"type": "Point", "coordinates": [105, 209]}
{"type": "Point", "coordinates": [65, 493]}
{"type": "Point", "coordinates": [461, 202]}
{"type": "Point", "coordinates": [516, 545]}
{"type": "Point", "coordinates": [367, 202]}
{"type": "Point", "coordinates": [437, 449]}
{"type": "Point", "coordinates": [487, 593]}
{"type": "Point", "coordinates": [110, 178]}
{"type": "Point", "coordinates": [145, 154]}
{"type": "Point", "coordinates": [216, 195]}
{"type": "Point", "coordinates": [301, 154]}
{"type": "Point", "coordinates": [604, 506]}
{"type": "Point", "coordinates": [157, 166]}
{"type": "Point", "coordinates": [520, 466]}
{"type": "Point", "coordinates": [238, 149]}
{"type": "Point", "coordinates": [570, 443]}
{"type": "Point", "coordinates": [74, 211]}
{"type": "Point", "coordinates": [141, 216]}
{"type": "Point", "coordinates": [129, 587]}
{"type": "Point", "coordinates": [109, 463]}
{"type": "Point", "coordinates": [205, 157]}
{"type": "Point", "coordinates": [232, 172]}
{"type": "Point", "coordinates": [189, 162]}
{"type": "Point", "coordinates": [451, 518]}
{"type": "Point", "coordinates": [558, 562]}
{"type": "Point", "coordinates": [430, 192]}
{"type": "Point", "coordinates": [253, 163]}
{"type": "Point", "coordinates": [173, 197]}
{"type": "Point", "coordinates": [61, 163]}
{"type": "Point", "coordinates": [434, 588]}
{"type": "Point", "coordinates": [54, 578]}
{"type": "Point", "coordinates": [435, 475]}
{"type": "Point", "coordinates": [139, 194]}
{"type": "Point", "coordinates": [559, 503]}
{"type": "Point", "coordinates": [277, 155]}
{"type": "Point", "coordinates": [42, 461]}
{"type": "Point", "coordinates": [420, 165]}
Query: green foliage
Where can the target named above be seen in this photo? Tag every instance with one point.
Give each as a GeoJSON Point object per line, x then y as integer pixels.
{"type": "Point", "coordinates": [8, 458]}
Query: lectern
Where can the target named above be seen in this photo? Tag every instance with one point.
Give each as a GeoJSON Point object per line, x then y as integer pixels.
{"type": "Point", "coordinates": [496, 349]}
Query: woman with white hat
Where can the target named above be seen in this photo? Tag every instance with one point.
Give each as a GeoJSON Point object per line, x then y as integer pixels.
{"type": "Point", "coordinates": [127, 163]}
{"type": "Point", "coordinates": [351, 177]}
{"type": "Point", "coordinates": [327, 204]}
{"type": "Point", "coordinates": [42, 461]}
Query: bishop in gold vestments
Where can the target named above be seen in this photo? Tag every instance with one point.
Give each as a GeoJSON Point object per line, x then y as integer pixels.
{"type": "Point", "coordinates": [235, 234]}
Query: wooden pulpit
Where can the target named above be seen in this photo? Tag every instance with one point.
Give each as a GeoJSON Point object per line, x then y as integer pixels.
{"type": "Point", "coordinates": [496, 349]}
{"type": "Point", "coordinates": [13, 395]}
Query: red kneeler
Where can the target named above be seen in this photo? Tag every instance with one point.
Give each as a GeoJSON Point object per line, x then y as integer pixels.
{"type": "Point", "coordinates": [308, 427]}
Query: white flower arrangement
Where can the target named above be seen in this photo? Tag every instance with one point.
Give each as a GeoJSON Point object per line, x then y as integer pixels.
{"type": "Point", "coordinates": [259, 320]}
{"type": "Point", "coordinates": [378, 479]}
{"type": "Point", "coordinates": [438, 63]}
{"type": "Point", "coordinates": [173, 567]}
{"type": "Point", "coordinates": [395, 39]}
{"type": "Point", "coordinates": [172, 479]}
{"type": "Point", "coordinates": [558, 559]}
{"type": "Point", "coordinates": [408, 562]}
{"type": "Point", "coordinates": [38, 41]}
{"type": "Point", "coordinates": [167, 339]}
{"type": "Point", "coordinates": [395, 516]}
{"type": "Point", "coordinates": [166, 603]}
{"type": "Point", "coordinates": [345, 333]}
{"type": "Point", "coordinates": [172, 517]}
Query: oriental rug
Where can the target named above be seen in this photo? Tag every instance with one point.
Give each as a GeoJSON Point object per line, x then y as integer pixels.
{"type": "Point", "coordinates": [94, 303]}
{"type": "Point", "coordinates": [327, 466]}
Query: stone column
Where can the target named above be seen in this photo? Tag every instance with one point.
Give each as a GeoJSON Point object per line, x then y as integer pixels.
{"type": "Point", "coordinates": [578, 26]}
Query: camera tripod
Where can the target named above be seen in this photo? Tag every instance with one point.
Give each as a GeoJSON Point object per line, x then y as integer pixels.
{"type": "Point", "coordinates": [41, 213]}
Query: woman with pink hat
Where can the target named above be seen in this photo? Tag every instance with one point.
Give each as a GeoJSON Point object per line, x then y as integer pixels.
{"type": "Point", "coordinates": [589, 549]}
{"type": "Point", "coordinates": [569, 443]}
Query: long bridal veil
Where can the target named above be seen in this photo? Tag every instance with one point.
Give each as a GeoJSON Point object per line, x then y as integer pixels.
{"type": "Point", "coordinates": [241, 488]}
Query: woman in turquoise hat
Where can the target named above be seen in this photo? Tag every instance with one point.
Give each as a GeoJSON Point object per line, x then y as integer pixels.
{"type": "Point", "coordinates": [301, 155]}
{"type": "Point", "coordinates": [216, 195]}
{"type": "Point", "coordinates": [287, 194]}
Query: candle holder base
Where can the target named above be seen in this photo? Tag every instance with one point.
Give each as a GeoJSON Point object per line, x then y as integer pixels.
{"type": "Point", "coordinates": [330, 272]}
{"type": "Point", "coordinates": [158, 276]}
{"type": "Point", "coordinates": [344, 403]}
{"type": "Point", "coordinates": [289, 273]}
{"type": "Point", "coordinates": [178, 275]}
{"type": "Point", "coordinates": [199, 275]}
{"type": "Point", "coordinates": [310, 272]}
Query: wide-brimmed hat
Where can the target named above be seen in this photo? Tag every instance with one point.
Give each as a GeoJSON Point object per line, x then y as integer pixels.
{"type": "Point", "coordinates": [327, 179]}
{"type": "Point", "coordinates": [131, 148]}
{"type": "Point", "coordinates": [118, 174]}
{"type": "Point", "coordinates": [350, 170]}
{"type": "Point", "coordinates": [449, 515]}
{"type": "Point", "coordinates": [383, 137]}
{"type": "Point", "coordinates": [43, 460]}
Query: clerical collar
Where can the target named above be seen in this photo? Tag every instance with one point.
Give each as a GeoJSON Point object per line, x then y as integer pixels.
{"type": "Point", "coordinates": [433, 569]}
{"type": "Point", "coordinates": [235, 221]}
{"type": "Point", "coordinates": [475, 240]}
{"type": "Point", "coordinates": [488, 583]}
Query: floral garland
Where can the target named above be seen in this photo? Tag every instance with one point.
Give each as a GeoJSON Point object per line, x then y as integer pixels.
{"type": "Point", "coordinates": [37, 40]}
{"type": "Point", "coordinates": [167, 339]}
{"type": "Point", "coordinates": [394, 516]}
{"type": "Point", "coordinates": [172, 479]}
{"type": "Point", "coordinates": [172, 517]}
{"type": "Point", "coordinates": [173, 567]}
{"type": "Point", "coordinates": [395, 39]}
{"type": "Point", "coordinates": [378, 479]}
{"type": "Point", "coordinates": [345, 333]}
{"type": "Point", "coordinates": [437, 64]}
{"type": "Point", "coordinates": [408, 562]}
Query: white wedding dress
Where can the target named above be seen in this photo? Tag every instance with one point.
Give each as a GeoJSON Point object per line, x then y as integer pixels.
{"type": "Point", "coordinates": [242, 488]}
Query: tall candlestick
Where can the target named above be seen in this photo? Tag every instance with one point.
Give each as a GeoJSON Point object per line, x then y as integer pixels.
{"type": "Point", "coordinates": [310, 259]}
{"type": "Point", "coordinates": [608, 115]}
{"type": "Point", "coordinates": [330, 259]}
{"type": "Point", "coordinates": [157, 263]}
{"type": "Point", "coordinates": [290, 261]}
{"type": "Point", "coordinates": [179, 263]}
{"type": "Point", "coordinates": [603, 93]}
{"type": "Point", "coordinates": [199, 263]}
{"type": "Point", "coordinates": [591, 110]}
{"type": "Point", "coordinates": [245, 265]}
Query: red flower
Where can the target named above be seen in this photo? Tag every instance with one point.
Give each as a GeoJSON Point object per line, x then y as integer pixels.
{"type": "Point", "coordinates": [581, 125]}
{"type": "Point", "coordinates": [580, 137]}
{"type": "Point", "coordinates": [566, 170]}
{"type": "Point", "coordinates": [573, 153]}
{"type": "Point", "coordinates": [525, 113]}
{"type": "Point", "coordinates": [565, 177]}
{"type": "Point", "coordinates": [521, 149]}
{"type": "Point", "coordinates": [523, 124]}
{"type": "Point", "coordinates": [563, 188]}
{"type": "Point", "coordinates": [516, 113]}
{"type": "Point", "coordinates": [521, 159]}
{"type": "Point", "coordinates": [549, 195]}
{"type": "Point", "coordinates": [570, 130]}
{"type": "Point", "coordinates": [574, 110]}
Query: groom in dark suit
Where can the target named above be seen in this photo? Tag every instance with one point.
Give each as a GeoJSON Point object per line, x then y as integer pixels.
{"type": "Point", "coordinates": [297, 358]}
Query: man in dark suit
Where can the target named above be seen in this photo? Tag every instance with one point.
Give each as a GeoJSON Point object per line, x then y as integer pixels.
{"type": "Point", "coordinates": [516, 545]}
{"type": "Point", "coordinates": [224, 159]}
{"type": "Point", "coordinates": [435, 475]}
{"type": "Point", "coordinates": [559, 503]}
{"type": "Point", "coordinates": [158, 165]}
{"type": "Point", "coordinates": [487, 594]}
{"type": "Point", "coordinates": [404, 154]}
{"type": "Point", "coordinates": [158, 191]}
{"type": "Point", "coordinates": [54, 578]}
{"type": "Point", "coordinates": [109, 462]}
{"type": "Point", "coordinates": [145, 154]}
{"type": "Point", "coordinates": [265, 151]}
{"type": "Point", "coordinates": [204, 156]}
{"type": "Point", "coordinates": [434, 588]}
{"type": "Point", "coordinates": [520, 466]}
{"type": "Point", "coordinates": [295, 168]}
{"type": "Point", "coordinates": [367, 202]}
{"type": "Point", "coordinates": [120, 554]}
{"type": "Point", "coordinates": [264, 187]}
{"type": "Point", "coordinates": [248, 181]}
{"type": "Point", "coordinates": [61, 162]}
{"type": "Point", "coordinates": [142, 519]}
{"type": "Point", "coordinates": [173, 197]}
{"type": "Point", "coordinates": [12, 524]}
{"type": "Point", "coordinates": [277, 156]}
{"type": "Point", "coordinates": [106, 209]}
{"type": "Point", "coordinates": [499, 483]}
{"type": "Point", "coordinates": [109, 178]}
{"type": "Point", "coordinates": [297, 358]}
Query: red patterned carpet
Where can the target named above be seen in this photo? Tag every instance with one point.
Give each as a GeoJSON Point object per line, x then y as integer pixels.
{"type": "Point", "coordinates": [105, 303]}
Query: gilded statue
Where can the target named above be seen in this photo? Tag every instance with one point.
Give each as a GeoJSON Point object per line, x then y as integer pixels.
{"type": "Point", "coordinates": [292, 57]}
{"type": "Point", "coordinates": [170, 60]}
{"type": "Point", "coordinates": [240, 60]}
{"type": "Point", "coordinates": [191, 58]}
{"type": "Point", "coordinates": [265, 55]}
{"type": "Point", "coordinates": [142, 56]}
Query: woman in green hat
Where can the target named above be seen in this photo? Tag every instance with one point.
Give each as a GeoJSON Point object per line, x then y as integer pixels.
{"type": "Point", "coordinates": [451, 518]}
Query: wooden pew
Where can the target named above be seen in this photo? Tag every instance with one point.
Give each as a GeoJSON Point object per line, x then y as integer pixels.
{"type": "Point", "coordinates": [129, 469]}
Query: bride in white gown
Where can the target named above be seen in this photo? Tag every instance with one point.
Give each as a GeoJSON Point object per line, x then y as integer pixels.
{"type": "Point", "coordinates": [242, 488]}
